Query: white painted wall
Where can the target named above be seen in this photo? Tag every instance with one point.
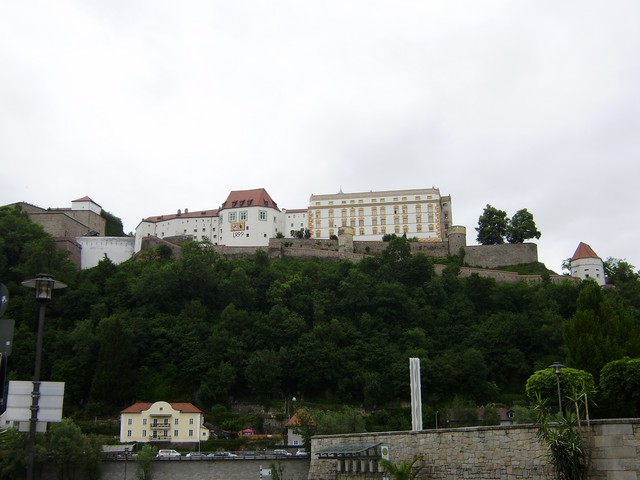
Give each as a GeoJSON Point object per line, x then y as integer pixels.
{"type": "Point", "coordinates": [118, 249]}
{"type": "Point", "coordinates": [592, 268]}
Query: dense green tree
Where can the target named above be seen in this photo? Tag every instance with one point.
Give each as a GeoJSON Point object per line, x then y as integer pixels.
{"type": "Point", "coordinates": [543, 385]}
{"type": "Point", "coordinates": [522, 227]}
{"type": "Point", "coordinates": [620, 387]}
{"type": "Point", "coordinates": [492, 226]}
{"type": "Point", "coordinates": [600, 331]}
{"type": "Point", "coordinates": [263, 373]}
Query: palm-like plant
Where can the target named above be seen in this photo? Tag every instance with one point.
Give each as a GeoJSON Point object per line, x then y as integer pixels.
{"type": "Point", "coordinates": [405, 470]}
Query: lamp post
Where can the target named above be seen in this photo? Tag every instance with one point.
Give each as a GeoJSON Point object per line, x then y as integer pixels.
{"type": "Point", "coordinates": [44, 284]}
{"type": "Point", "coordinates": [557, 369]}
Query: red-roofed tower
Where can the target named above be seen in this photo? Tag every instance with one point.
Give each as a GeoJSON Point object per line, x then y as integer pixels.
{"type": "Point", "coordinates": [585, 264]}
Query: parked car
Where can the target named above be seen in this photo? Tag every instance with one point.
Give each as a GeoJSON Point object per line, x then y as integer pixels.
{"type": "Point", "coordinates": [222, 455]}
{"type": "Point", "coordinates": [196, 456]}
{"type": "Point", "coordinates": [301, 452]}
{"type": "Point", "coordinates": [167, 454]}
{"type": "Point", "coordinates": [281, 453]}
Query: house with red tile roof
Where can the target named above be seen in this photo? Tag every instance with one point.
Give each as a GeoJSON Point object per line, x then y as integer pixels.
{"type": "Point", "coordinates": [163, 423]}
{"type": "Point", "coordinates": [586, 264]}
{"type": "Point", "coordinates": [247, 218]}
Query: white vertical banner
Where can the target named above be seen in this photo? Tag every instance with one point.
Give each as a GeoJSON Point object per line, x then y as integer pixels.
{"type": "Point", "coordinates": [416, 394]}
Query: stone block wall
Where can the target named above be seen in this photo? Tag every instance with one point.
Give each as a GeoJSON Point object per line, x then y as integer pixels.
{"type": "Point", "coordinates": [491, 256]}
{"type": "Point", "coordinates": [490, 453]}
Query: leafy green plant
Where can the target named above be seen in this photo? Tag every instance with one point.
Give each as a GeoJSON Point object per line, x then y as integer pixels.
{"type": "Point", "coordinates": [405, 470]}
{"type": "Point", "coordinates": [563, 435]}
{"type": "Point", "coordinates": [146, 456]}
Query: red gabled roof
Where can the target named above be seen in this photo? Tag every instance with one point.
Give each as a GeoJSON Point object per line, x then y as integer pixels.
{"type": "Point", "coordinates": [85, 199]}
{"type": "Point", "coordinates": [249, 198]}
{"type": "Point", "coordinates": [173, 216]}
{"type": "Point", "coordinates": [180, 406]}
{"type": "Point", "coordinates": [185, 407]}
{"type": "Point", "coordinates": [584, 251]}
{"type": "Point", "coordinates": [137, 407]}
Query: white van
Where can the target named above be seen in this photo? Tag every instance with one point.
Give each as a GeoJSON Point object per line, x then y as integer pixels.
{"type": "Point", "coordinates": [167, 454]}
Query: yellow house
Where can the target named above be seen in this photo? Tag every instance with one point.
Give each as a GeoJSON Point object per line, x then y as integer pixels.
{"type": "Point", "coordinates": [179, 422]}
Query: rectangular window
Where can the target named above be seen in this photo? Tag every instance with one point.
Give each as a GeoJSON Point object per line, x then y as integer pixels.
{"type": "Point", "coordinates": [175, 433]}
{"type": "Point", "coordinates": [144, 433]}
{"type": "Point", "coordinates": [128, 433]}
{"type": "Point", "coordinates": [262, 215]}
{"type": "Point", "coordinates": [144, 421]}
{"type": "Point", "coordinates": [191, 421]}
{"type": "Point", "coordinates": [243, 215]}
{"type": "Point", "coordinates": [191, 433]}
{"type": "Point", "coordinates": [233, 216]}
{"type": "Point", "coordinates": [176, 421]}
{"type": "Point", "coordinates": [130, 421]}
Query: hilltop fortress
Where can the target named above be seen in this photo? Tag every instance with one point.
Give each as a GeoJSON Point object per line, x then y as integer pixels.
{"type": "Point", "coordinates": [333, 227]}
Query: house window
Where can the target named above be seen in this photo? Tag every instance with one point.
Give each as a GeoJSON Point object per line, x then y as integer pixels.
{"type": "Point", "coordinates": [130, 421]}
{"type": "Point", "coordinates": [144, 421]}
{"type": "Point", "coordinates": [243, 215]}
{"type": "Point", "coordinates": [144, 433]}
{"type": "Point", "coordinates": [175, 433]}
{"type": "Point", "coordinates": [375, 230]}
{"type": "Point", "coordinates": [128, 433]}
{"type": "Point", "coordinates": [362, 231]}
{"type": "Point", "coordinates": [262, 215]}
{"type": "Point", "coordinates": [191, 421]}
{"type": "Point", "coordinates": [233, 216]}
{"type": "Point", "coordinates": [191, 433]}
{"type": "Point", "coordinates": [176, 421]}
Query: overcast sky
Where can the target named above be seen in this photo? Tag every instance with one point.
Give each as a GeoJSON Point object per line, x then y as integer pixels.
{"type": "Point", "coordinates": [153, 106]}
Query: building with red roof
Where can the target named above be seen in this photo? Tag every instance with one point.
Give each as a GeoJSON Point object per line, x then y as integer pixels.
{"type": "Point", "coordinates": [586, 264]}
{"type": "Point", "coordinates": [163, 422]}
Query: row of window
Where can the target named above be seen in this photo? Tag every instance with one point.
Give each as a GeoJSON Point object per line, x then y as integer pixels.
{"type": "Point", "coordinates": [381, 200]}
{"type": "Point", "coordinates": [176, 433]}
{"type": "Point", "coordinates": [374, 222]}
{"type": "Point", "coordinates": [381, 231]}
{"type": "Point", "coordinates": [374, 211]}
{"type": "Point", "coordinates": [176, 421]}
{"type": "Point", "coordinates": [243, 216]}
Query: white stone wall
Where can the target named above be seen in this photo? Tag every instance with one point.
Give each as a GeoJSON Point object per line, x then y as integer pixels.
{"type": "Point", "coordinates": [249, 226]}
{"type": "Point", "coordinates": [592, 268]}
{"type": "Point", "coordinates": [93, 250]}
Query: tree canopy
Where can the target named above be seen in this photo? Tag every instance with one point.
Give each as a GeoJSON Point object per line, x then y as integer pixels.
{"type": "Point", "coordinates": [494, 227]}
{"type": "Point", "coordinates": [210, 330]}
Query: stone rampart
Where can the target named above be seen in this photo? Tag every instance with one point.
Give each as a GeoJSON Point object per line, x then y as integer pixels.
{"type": "Point", "coordinates": [488, 453]}
{"type": "Point", "coordinates": [491, 256]}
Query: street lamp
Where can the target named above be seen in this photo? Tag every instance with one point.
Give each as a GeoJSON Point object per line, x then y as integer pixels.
{"type": "Point", "coordinates": [557, 369]}
{"type": "Point", "coordinates": [44, 284]}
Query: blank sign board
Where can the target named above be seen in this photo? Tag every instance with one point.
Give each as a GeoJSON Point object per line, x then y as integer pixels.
{"type": "Point", "coordinates": [50, 402]}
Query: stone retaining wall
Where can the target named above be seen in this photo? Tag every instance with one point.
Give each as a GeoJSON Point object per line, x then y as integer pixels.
{"type": "Point", "coordinates": [489, 453]}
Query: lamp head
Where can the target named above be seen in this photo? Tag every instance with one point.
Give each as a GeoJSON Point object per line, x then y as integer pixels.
{"type": "Point", "coordinates": [44, 285]}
